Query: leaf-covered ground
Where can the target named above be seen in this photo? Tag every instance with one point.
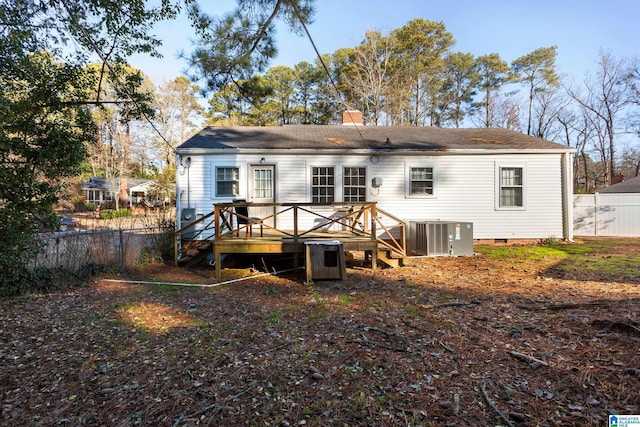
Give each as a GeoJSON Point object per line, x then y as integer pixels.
{"type": "Point", "coordinates": [494, 339]}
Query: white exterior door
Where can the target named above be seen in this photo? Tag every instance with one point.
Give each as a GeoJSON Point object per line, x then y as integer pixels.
{"type": "Point", "coordinates": [262, 185]}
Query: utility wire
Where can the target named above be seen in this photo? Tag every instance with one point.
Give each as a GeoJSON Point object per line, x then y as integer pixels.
{"type": "Point", "coordinates": [123, 87]}
{"type": "Point", "coordinates": [294, 6]}
{"type": "Point", "coordinates": [155, 128]}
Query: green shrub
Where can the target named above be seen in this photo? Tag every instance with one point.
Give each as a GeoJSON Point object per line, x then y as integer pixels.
{"type": "Point", "coordinates": [161, 244]}
{"type": "Point", "coordinates": [148, 256]}
{"type": "Point", "coordinates": [83, 206]}
{"type": "Point", "coordinates": [44, 280]}
{"type": "Point", "coordinates": [112, 213]}
{"type": "Point", "coordinates": [549, 241]}
{"type": "Point", "coordinates": [164, 241]}
{"type": "Point", "coordinates": [18, 245]}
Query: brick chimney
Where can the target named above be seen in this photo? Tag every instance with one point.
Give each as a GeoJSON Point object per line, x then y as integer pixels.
{"type": "Point", "coordinates": [123, 195]}
{"type": "Point", "coordinates": [352, 117]}
{"type": "Point", "coordinates": [617, 178]}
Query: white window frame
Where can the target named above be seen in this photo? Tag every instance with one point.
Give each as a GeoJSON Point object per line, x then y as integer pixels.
{"type": "Point", "coordinates": [93, 196]}
{"type": "Point", "coordinates": [407, 180]}
{"type": "Point", "coordinates": [366, 184]}
{"type": "Point", "coordinates": [335, 178]}
{"type": "Point", "coordinates": [499, 186]}
{"type": "Point", "coordinates": [257, 187]}
{"type": "Point", "coordinates": [217, 193]}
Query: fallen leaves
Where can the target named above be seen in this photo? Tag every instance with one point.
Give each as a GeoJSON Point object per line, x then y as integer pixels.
{"type": "Point", "coordinates": [157, 318]}
{"type": "Point", "coordinates": [446, 341]}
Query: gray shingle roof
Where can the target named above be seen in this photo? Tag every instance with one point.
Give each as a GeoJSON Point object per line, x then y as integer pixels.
{"type": "Point", "coordinates": [363, 137]}
{"type": "Point", "coordinates": [631, 185]}
{"type": "Point", "coordinates": [109, 184]}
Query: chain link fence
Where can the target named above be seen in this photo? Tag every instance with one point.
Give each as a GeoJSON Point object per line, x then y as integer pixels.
{"type": "Point", "coordinates": [112, 247]}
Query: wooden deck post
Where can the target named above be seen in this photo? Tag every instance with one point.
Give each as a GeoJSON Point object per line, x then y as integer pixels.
{"type": "Point", "coordinates": [216, 250]}
{"type": "Point", "coordinates": [296, 256]}
{"type": "Point", "coordinates": [295, 224]}
{"type": "Point", "coordinates": [218, 258]}
{"type": "Point", "coordinates": [177, 247]}
{"type": "Point", "coordinates": [374, 253]}
{"type": "Point", "coordinates": [367, 218]}
{"type": "Point", "coordinates": [307, 264]}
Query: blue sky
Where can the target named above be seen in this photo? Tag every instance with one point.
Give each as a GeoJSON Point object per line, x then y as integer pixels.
{"type": "Point", "coordinates": [512, 28]}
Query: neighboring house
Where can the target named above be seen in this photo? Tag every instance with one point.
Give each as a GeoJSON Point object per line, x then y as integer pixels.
{"type": "Point", "coordinates": [613, 212]}
{"type": "Point", "coordinates": [106, 190]}
{"type": "Point", "coordinates": [631, 185]}
{"type": "Point", "coordinates": [509, 185]}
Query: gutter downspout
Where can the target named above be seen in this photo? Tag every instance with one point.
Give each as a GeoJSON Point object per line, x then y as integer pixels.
{"type": "Point", "coordinates": [567, 208]}
{"type": "Point", "coordinates": [177, 247]}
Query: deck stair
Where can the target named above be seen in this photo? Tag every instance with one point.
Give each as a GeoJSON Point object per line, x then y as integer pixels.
{"type": "Point", "coordinates": [195, 251]}
{"type": "Point", "coordinates": [391, 258]}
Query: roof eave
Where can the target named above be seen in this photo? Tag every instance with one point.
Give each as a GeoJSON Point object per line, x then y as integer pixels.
{"type": "Point", "coordinates": [369, 151]}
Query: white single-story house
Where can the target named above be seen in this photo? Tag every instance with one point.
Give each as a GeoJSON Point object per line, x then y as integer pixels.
{"type": "Point", "coordinates": [105, 190]}
{"type": "Point", "coordinates": [509, 185]}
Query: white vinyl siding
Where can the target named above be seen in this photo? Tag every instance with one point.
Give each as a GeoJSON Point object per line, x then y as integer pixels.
{"type": "Point", "coordinates": [465, 190]}
{"type": "Point", "coordinates": [465, 187]}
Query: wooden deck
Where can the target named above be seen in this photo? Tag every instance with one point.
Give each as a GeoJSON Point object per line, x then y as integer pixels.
{"type": "Point", "coordinates": [275, 245]}
{"type": "Point", "coordinates": [356, 225]}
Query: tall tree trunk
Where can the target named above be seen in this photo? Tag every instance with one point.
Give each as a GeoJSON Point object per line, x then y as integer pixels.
{"type": "Point", "coordinates": [123, 196]}
{"type": "Point", "coordinates": [417, 110]}
{"type": "Point", "coordinates": [487, 116]}
{"type": "Point", "coordinates": [586, 172]}
{"type": "Point", "coordinates": [612, 165]}
{"type": "Point", "coordinates": [530, 109]}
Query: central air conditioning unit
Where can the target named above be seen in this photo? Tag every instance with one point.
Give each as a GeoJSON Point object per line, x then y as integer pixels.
{"type": "Point", "coordinates": [437, 238]}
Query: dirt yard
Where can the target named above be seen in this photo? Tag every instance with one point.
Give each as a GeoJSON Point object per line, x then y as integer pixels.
{"type": "Point", "coordinates": [475, 341]}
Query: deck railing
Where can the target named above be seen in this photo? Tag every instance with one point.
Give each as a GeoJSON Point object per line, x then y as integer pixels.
{"type": "Point", "coordinates": [296, 222]}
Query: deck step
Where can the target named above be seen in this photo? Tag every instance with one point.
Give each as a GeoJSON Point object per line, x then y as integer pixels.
{"type": "Point", "coordinates": [183, 261]}
{"type": "Point", "coordinates": [205, 246]}
{"type": "Point", "coordinates": [194, 252]}
{"type": "Point", "coordinates": [390, 259]}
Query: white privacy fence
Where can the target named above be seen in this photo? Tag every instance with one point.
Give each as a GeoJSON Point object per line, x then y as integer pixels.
{"type": "Point", "coordinates": [615, 215]}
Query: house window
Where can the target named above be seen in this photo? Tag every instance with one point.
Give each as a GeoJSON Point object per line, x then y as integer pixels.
{"type": "Point", "coordinates": [93, 196]}
{"type": "Point", "coordinates": [322, 185]}
{"type": "Point", "coordinates": [227, 181]}
{"type": "Point", "coordinates": [355, 184]}
{"type": "Point", "coordinates": [421, 181]}
{"type": "Point", "coordinates": [510, 187]}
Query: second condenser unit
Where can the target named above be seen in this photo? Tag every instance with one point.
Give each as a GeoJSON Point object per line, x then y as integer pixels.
{"type": "Point", "coordinates": [441, 238]}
